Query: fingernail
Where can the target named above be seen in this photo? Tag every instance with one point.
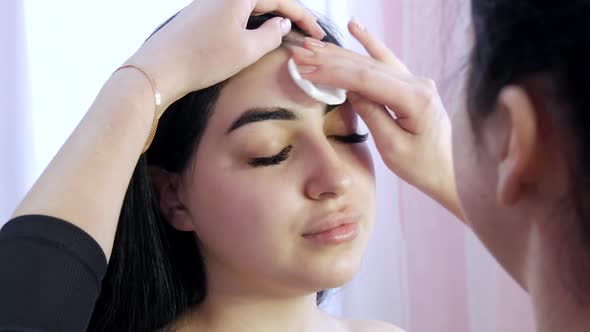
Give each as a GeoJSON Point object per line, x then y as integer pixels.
{"type": "Point", "coordinates": [315, 42]}
{"type": "Point", "coordinates": [306, 69]}
{"type": "Point", "coordinates": [357, 24]}
{"type": "Point", "coordinates": [285, 25]}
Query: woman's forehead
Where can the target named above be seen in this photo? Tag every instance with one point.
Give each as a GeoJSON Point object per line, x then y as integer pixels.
{"type": "Point", "coordinates": [265, 83]}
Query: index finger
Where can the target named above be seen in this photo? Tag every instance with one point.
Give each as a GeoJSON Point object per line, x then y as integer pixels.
{"type": "Point", "coordinates": [406, 96]}
{"type": "Point", "coordinates": [375, 47]}
{"type": "Point", "coordinates": [294, 11]}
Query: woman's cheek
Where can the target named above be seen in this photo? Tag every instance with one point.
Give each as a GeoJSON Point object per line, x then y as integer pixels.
{"type": "Point", "coordinates": [362, 158]}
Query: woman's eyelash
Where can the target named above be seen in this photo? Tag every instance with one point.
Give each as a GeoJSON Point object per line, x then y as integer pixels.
{"type": "Point", "coordinates": [351, 139]}
{"type": "Point", "coordinates": [284, 154]}
{"type": "Point", "coordinates": [274, 160]}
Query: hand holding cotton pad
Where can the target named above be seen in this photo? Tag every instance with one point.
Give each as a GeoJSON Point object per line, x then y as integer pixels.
{"type": "Point", "coordinates": [324, 94]}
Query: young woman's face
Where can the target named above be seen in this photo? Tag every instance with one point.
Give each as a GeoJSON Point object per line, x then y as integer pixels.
{"type": "Point", "coordinates": [278, 195]}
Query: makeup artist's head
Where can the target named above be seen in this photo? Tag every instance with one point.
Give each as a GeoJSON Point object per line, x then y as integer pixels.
{"type": "Point", "coordinates": [522, 151]}
{"type": "Point", "coordinates": [258, 189]}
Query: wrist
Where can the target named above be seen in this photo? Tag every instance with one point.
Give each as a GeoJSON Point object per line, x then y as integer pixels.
{"type": "Point", "coordinates": [129, 99]}
{"type": "Point", "coordinates": [132, 86]}
{"type": "Point", "coordinates": [158, 107]}
{"type": "Point", "coordinates": [169, 88]}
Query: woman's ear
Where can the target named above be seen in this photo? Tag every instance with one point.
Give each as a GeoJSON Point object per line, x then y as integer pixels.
{"type": "Point", "coordinates": [517, 162]}
{"type": "Point", "coordinates": [167, 187]}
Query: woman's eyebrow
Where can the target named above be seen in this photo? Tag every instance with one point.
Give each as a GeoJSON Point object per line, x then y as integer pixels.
{"type": "Point", "coordinates": [258, 114]}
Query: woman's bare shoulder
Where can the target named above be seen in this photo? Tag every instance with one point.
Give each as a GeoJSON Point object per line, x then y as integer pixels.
{"type": "Point", "coordinates": [371, 326]}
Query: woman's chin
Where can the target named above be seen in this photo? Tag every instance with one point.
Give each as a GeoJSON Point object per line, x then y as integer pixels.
{"type": "Point", "coordinates": [338, 281]}
{"type": "Point", "coordinates": [337, 276]}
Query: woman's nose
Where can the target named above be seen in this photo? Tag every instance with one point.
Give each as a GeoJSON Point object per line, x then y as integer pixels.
{"type": "Point", "coordinates": [328, 175]}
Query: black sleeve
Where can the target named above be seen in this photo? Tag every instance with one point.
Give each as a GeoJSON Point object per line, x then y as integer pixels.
{"type": "Point", "coordinates": [50, 275]}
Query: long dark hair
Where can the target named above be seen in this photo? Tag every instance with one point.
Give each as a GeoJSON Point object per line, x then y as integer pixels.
{"type": "Point", "coordinates": [543, 46]}
{"type": "Point", "coordinates": [157, 272]}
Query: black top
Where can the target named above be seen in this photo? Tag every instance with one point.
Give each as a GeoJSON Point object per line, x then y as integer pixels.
{"type": "Point", "coordinates": [50, 275]}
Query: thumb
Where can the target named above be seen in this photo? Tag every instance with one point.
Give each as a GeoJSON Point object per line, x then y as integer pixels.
{"type": "Point", "coordinates": [269, 35]}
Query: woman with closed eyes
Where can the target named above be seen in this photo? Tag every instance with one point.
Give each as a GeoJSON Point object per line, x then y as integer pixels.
{"type": "Point", "coordinates": [263, 197]}
{"type": "Point", "coordinates": [252, 199]}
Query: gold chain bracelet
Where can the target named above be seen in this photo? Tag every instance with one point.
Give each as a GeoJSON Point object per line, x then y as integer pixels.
{"type": "Point", "coordinates": [158, 102]}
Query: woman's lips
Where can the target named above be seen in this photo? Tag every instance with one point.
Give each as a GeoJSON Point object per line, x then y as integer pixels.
{"type": "Point", "coordinates": [344, 232]}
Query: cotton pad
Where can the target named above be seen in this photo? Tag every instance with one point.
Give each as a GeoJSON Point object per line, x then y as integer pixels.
{"type": "Point", "coordinates": [324, 94]}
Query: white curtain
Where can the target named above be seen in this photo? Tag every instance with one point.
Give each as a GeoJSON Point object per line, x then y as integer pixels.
{"type": "Point", "coordinates": [423, 270]}
{"type": "Point", "coordinates": [16, 148]}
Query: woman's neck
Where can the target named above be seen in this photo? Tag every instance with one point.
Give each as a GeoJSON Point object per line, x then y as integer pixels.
{"type": "Point", "coordinates": [237, 302]}
{"type": "Point", "coordinates": [559, 303]}
{"type": "Point", "coordinates": [236, 312]}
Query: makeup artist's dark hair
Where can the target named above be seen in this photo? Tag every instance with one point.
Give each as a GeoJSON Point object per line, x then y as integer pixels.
{"type": "Point", "coordinates": [157, 272]}
{"type": "Point", "coordinates": [543, 46]}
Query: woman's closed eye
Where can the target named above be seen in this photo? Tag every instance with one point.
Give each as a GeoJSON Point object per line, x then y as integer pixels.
{"type": "Point", "coordinates": [274, 160]}
{"type": "Point", "coordinates": [351, 139]}
{"type": "Point", "coordinates": [284, 154]}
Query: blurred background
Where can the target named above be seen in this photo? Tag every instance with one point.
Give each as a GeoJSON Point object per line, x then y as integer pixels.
{"type": "Point", "coordinates": [423, 270]}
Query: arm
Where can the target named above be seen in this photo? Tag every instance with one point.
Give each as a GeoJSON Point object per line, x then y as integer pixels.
{"type": "Point", "coordinates": [86, 181]}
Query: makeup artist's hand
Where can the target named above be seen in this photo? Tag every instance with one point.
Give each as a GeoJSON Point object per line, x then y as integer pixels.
{"type": "Point", "coordinates": [207, 42]}
{"type": "Point", "coordinates": [404, 113]}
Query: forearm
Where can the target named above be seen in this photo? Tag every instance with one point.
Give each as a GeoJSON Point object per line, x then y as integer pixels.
{"type": "Point", "coordinates": [86, 181]}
